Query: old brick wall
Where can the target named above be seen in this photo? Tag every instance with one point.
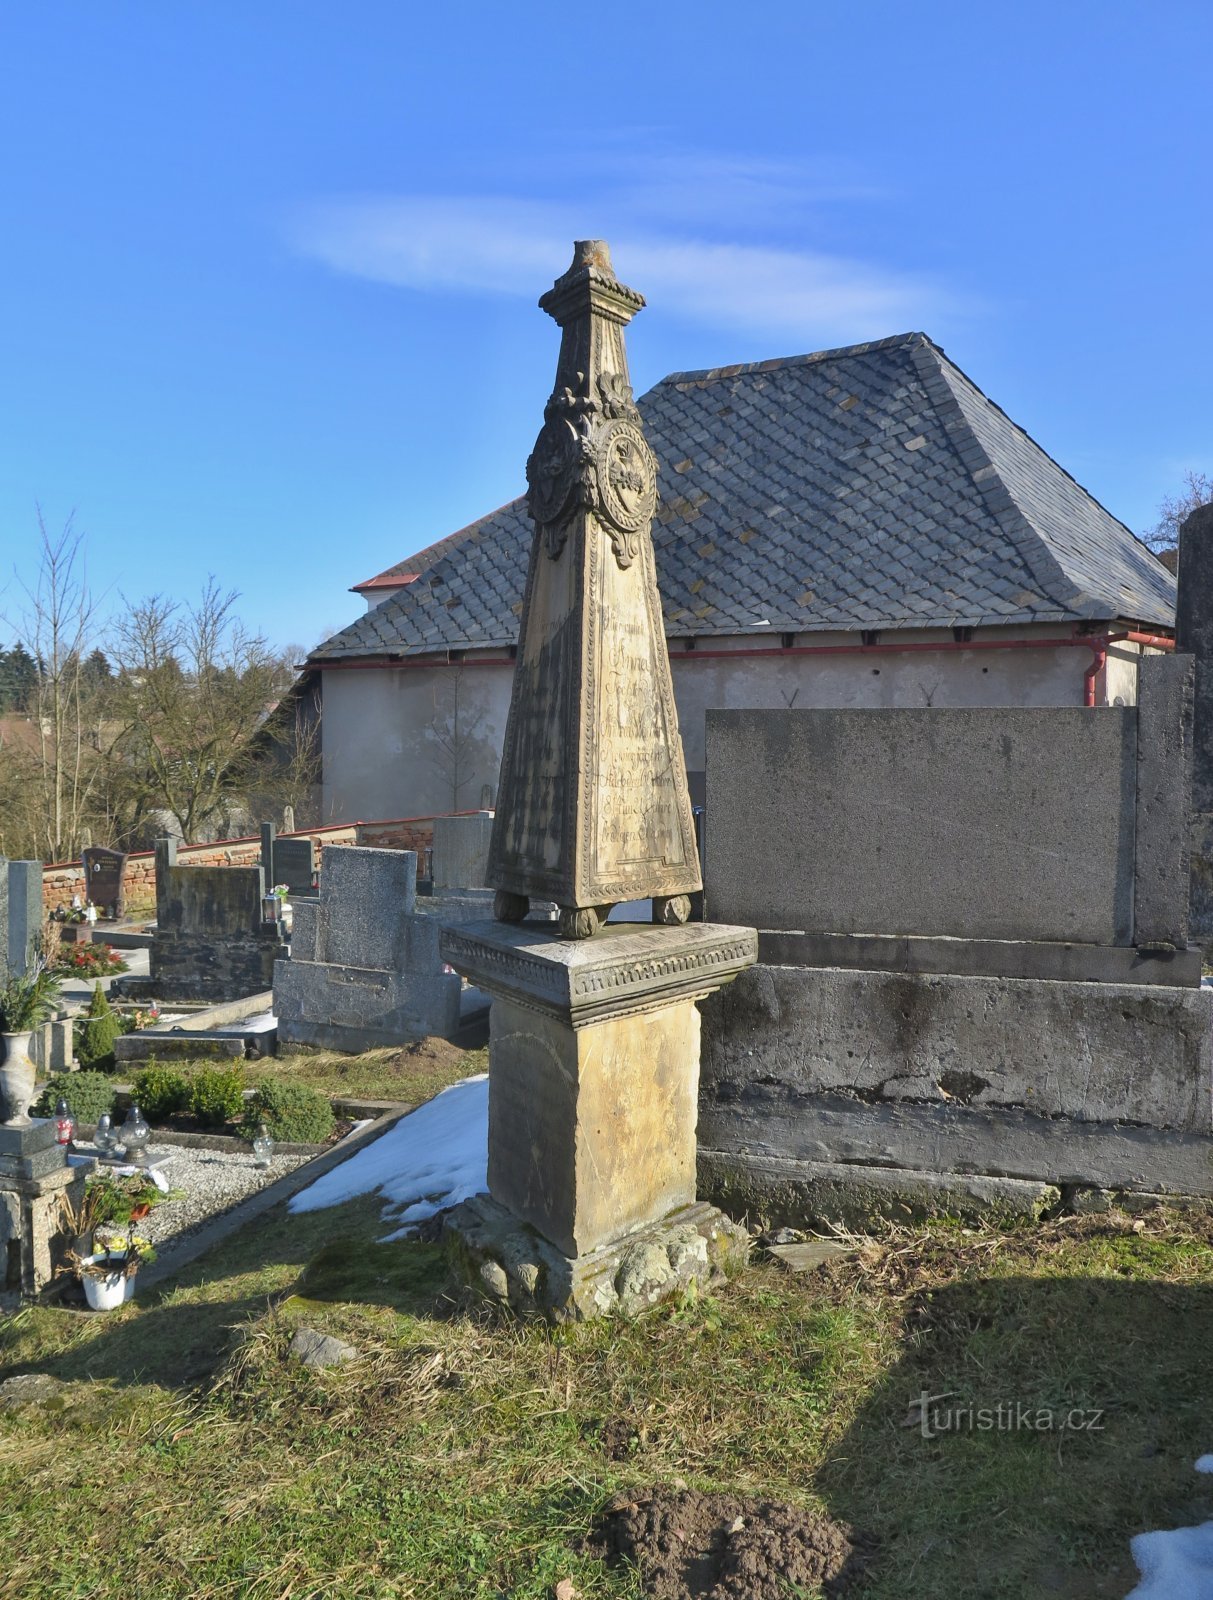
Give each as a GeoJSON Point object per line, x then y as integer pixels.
{"type": "Point", "coordinates": [61, 880]}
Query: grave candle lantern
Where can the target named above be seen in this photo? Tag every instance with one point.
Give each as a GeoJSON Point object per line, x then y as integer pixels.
{"type": "Point", "coordinates": [135, 1134]}
{"type": "Point", "coordinates": [65, 1123]}
{"type": "Point", "coordinates": [263, 1145]}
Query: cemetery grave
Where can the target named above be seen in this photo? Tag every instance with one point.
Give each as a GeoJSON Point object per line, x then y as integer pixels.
{"type": "Point", "coordinates": [958, 1400]}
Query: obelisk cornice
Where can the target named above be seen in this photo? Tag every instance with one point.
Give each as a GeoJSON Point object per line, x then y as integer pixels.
{"type": "Point", "coordinates": [591, 287]}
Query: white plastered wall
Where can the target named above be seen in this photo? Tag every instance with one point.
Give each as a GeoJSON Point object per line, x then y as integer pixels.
{"type": "Point", "coordinates": [383, 727]}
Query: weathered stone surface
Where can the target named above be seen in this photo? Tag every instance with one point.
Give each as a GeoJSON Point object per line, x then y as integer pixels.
{"type": "Point", "coordinates": [593, 806]}
{"type": "Point", "coordinates": [305, 930]}
{"type": "Point", "coordinates": [956, 823]}
{"type": "Point", "coordinates": [51, 1046]}
{"type": "Point", "coordinates": [819, 1192]}
{"type": "Point", "coordinates": [773, 1119]}
{"type": "Point", "coordinates": [211, 942]}
{"type": "Point", "coordinates": [316, 1349]}
{"type": "Point", "coordinates": [369, 896]}
{"type": "Point", "coordinates": [983, 958]}
{"type": "Point", "coordinates": [361, 1008]}
{"type": "Point", "coordinates": [365, 967]}
{"type": "Point", "coordinates": [24, 911]}
{"type": "Point", "coordinates": [29, 1389]}
{"type": "Point", "coordinates": [1091, 1052]}
{"type": "Point", "coordinates": [625, 969]}
{"type": "Point", "coordinates": [460, 855]}
{"type": "Point", "coordinates": [33, 1241]}
{"type": "Point", "coordinates": [1194, 636]}
{"type": "Point", "coordinates": [592, 1130]}
{"type": "Point", "coordinates": [22, 1139]}
{"type": "Point", "coordinates": [1164, 795]}
{"type": "Point", "coordinates": [497, 1257]}
{"type": "Point", "coordinates": [806, 1255]}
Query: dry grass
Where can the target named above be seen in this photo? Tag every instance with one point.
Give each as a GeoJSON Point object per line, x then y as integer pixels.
{"type": "Point", "coordinates": [464, 1457]}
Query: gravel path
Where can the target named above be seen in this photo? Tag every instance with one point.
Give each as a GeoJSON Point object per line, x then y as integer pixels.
{"type": "Point", "coordinates": [212, 1180]}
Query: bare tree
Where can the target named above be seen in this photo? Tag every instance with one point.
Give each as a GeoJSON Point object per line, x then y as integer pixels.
{"type": "Point", "coordinates": [193, 686]}
{"type": "Point", "coordinates": [1172, 511]}
{"type": "Point", "coordinates": [58, 627]}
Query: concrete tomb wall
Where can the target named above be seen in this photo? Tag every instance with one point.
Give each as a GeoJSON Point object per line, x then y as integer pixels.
{"type": "Point", "coordinates": [974, 979]}
{"type": "Point", "coordinates": [1006, 824]}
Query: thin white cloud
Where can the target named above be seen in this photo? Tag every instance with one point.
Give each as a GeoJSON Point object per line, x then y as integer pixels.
{"type": "Point", "coordinates": [494, 245]}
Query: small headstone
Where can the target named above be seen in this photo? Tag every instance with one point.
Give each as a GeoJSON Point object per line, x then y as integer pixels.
{"type": "Point", "coordinates": [103, 870]}
{"type": "Point", "coordinates": [24, 911]}
{"type": "Point", "coordinates": [316, 1349]}
{"type": "Point", "coordinates": [295, 865]}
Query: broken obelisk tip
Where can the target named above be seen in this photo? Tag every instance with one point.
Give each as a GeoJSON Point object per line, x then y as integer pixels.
{"type": "Point", "coordinates": [592, 806]}
{"type": "Point", "coordinates": [592, 253]}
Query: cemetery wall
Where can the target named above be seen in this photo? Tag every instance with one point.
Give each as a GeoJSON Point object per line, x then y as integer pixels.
{"type": "Point", "coordinates": [62, 880]}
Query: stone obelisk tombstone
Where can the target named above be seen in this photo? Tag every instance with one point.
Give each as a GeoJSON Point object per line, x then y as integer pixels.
{"type": "Point", "coordinates": [1194, 636]}
{"type": "Point", "coordinates": [592, 805]}
{"type": "Point", "coordinates": [594, 1031]}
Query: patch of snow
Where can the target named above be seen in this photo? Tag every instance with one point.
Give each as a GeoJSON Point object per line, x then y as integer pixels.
{"type": "Point", "coordinates": [433, 1158]}
{"type": "Point", "coordinates": [1175, 1563]}
{"type": "Point", "coordinates": [263, 1022]}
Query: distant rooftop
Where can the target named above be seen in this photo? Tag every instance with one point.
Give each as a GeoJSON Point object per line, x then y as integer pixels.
{"type": "Point", "coordinates": [873, 487]}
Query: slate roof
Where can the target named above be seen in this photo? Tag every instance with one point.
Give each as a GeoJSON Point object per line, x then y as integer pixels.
{"type": "Point", "coordinates": [411, 568]}
{"type": "Point", "coordinates": [869, 487]}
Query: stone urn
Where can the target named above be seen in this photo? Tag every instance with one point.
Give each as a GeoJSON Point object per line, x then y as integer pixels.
{"type": "Point", "coordinates": [17, 1077]}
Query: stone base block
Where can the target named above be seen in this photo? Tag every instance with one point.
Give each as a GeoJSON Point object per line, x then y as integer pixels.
{"type": "Point", "coordinates": [23, 1138]}
{"type": "Point", "coordinates": [777, 1190]}
{"type": "Point", "coordinates": [33, 1236]}
{"type": "Point", "coordinates": [592, 1130]}
{"type": "Point", "coordinates": [361, 1008]}
{"type": "Point", "coordinates": [498, 1258]}
{"type": "Point", "coordinates": [1088, 1052]}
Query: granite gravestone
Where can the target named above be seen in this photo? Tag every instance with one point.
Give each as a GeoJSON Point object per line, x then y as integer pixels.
{"type": "Point", "coordinates": [288, 861]}
{"type": "Point", "coordinates": [22, 892]}
{"type": "Point", "coordinates": [103, 870]}
{"type": "Point", "coordinates": [594, 1032]}
{"type": "Point", "coordinates": [364, 968]}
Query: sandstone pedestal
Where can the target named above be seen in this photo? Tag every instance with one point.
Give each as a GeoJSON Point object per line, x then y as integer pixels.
{"type": "Point", "coordinates": [35, 1176]}
{"type": "Point", "coordinates": [593, 1102]}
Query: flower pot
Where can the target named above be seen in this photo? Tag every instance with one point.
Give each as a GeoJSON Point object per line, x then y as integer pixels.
{"type": "Point", "coordinates": [110, 1292]}
{"type": "Point", "coordinates": [17, 1076]}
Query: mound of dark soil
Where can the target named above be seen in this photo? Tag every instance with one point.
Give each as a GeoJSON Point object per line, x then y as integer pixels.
{"type": "Point", "coordinates": [691, 1546]}
{"type": "Point", "coordinates": [430, 1052]}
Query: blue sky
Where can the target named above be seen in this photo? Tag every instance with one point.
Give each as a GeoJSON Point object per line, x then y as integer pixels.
{"type": "Point", "coordinates": [270, 266]}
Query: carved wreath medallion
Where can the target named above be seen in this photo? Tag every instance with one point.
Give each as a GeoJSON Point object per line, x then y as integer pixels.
{"type": "Point", "coordinates": [627, 485]}
{"type": "Point", "coordinates": [551, 471]}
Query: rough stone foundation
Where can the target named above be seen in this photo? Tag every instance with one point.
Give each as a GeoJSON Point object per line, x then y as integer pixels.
{"type": "Point", "coordinates": [497, 1258]}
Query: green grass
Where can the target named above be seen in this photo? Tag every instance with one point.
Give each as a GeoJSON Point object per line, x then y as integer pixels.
{"type": "Point", "coordinates": [463, 1458]}
{"type": "Point", "coordinates": [410, 1074]}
